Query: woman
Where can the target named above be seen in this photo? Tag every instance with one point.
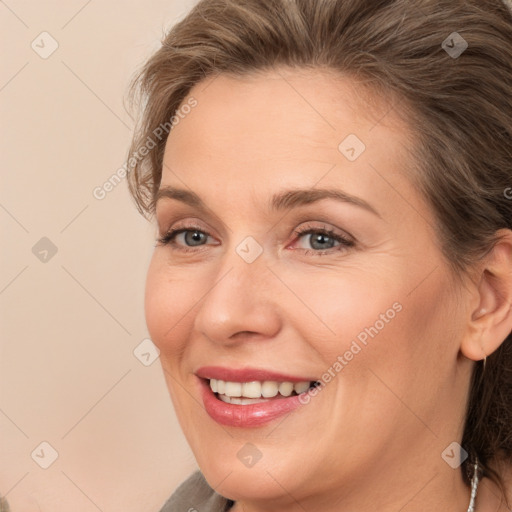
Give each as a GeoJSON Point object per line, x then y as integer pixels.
{"type": "Point", "coordinates": [331, 286]}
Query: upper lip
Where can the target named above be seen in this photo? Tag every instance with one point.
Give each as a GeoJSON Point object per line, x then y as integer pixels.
{"type": "Point", "coordinates": [247, 374]}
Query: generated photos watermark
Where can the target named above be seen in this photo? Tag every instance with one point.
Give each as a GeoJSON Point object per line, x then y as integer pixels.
{"type": "Point", "coordinates": [159, 133]}
{"type": "Point", "coordinates": [357, 345]}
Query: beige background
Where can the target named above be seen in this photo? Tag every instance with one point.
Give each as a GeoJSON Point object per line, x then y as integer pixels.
{"type": "Point", "coordinates": [70, 322]}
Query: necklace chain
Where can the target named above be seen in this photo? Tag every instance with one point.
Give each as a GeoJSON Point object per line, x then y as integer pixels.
{"type": "Point", "coordinates": [474, 487]}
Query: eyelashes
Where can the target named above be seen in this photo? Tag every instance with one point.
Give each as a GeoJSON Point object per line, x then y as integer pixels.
{"type": "Point", "coordinates": [170, 237]}
{"type": "Point", "coordinates": [343, 241]}
{"type": "Point", "coordinates": [315, 234]}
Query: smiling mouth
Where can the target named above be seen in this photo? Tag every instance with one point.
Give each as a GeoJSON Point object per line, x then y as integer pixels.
{"type": "Point", "coordinates": [254, 392]}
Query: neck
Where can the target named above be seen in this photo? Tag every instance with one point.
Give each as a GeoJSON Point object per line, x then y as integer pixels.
{"type": "Point", "coordinates": [431, 491]}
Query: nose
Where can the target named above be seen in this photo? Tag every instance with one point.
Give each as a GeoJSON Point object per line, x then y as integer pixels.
{"type": "Point", "coordinates": [240, 303]}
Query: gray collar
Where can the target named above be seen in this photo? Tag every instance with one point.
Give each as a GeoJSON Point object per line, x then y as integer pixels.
{"type": "Point", "coordinates": [195, 494]}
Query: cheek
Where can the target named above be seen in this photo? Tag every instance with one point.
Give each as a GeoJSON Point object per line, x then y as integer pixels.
{"type": "Point", "coordinates": [344, 306]}
{"type": "Point", "coordinates": [376, 320]}
{"type": "Point", "coordinates": [169, 305]}
{"type": "Point", "coordinates": [413, 352]}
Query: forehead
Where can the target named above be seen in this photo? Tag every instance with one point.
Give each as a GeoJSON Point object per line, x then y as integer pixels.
{"type": "Point", "coordinates": [277, 111]}
{"type": "Point", "coordinates": [286, 128]}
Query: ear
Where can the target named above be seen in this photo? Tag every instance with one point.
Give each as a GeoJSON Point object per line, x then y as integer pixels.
{"type": "Point", "coordinates": [490, 319]}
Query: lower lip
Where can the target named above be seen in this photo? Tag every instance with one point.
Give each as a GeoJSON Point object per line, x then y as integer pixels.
{"type": "Point", "coordinates": [246, 416]}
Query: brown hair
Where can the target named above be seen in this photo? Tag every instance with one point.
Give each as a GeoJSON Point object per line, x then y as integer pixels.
{"type": "Point", "coordinates": [458, 107]}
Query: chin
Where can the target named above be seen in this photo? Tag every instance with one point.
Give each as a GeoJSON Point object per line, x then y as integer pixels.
{"type": "Point", "coordinates": [252, 484]}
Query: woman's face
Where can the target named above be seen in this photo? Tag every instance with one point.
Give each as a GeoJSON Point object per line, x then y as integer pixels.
{"type": "Point", "coordinates": [279, 280]}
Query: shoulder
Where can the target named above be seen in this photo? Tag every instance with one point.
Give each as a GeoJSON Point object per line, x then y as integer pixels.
{"type": "Point", "coordinates": [195, 492]}
{"type": "Point", "coordinates": [4, 506]}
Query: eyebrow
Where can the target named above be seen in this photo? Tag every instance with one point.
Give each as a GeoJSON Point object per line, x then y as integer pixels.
{"type": "Point", "coordinates": [285, 200]}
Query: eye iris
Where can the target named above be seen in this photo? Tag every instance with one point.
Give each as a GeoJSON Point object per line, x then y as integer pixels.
{"type": "Point", "coordinates": [194, 237]}
{"type": "Point", "coordinates": [321, 238]}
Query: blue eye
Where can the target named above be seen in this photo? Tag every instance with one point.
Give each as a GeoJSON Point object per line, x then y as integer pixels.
{"type": "Point", "coordinates": [193, 237]}
{"type": "Point", "coordinates": [320, 240]}
{"type": "Point", "coordinates": [323, 241]}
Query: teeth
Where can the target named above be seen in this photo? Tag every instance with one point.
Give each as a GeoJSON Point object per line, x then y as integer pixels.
{"type": "Point", "coordinates": [242, 401]}
{"type": "Point", "coordinates": [286, 388]}
{"type": "Point", "coordinates": [251, 389]}
{"type": "Point", "coordinates": [235, 392]}
{"type": "Point", "coordinates": [225, 398]}
{"type": "Point", "coordinates": [233, 389]}
{"type": "Point", "coordinates": [300, 387]}
{"type": "Point", "coordinates": [269, 389]}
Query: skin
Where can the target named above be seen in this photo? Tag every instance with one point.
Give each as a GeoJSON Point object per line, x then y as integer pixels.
{"type": "Point", "coordinates": [375, 433]}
